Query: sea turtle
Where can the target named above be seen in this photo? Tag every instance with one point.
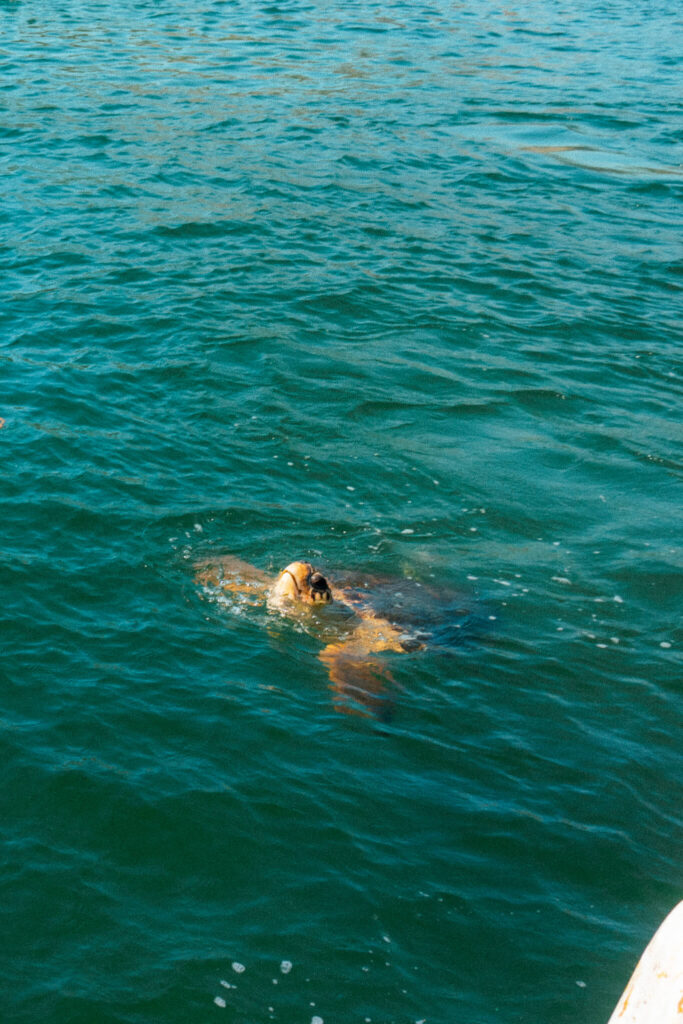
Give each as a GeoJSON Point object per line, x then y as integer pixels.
{"type": "Point", "coordinates": [369, 616]}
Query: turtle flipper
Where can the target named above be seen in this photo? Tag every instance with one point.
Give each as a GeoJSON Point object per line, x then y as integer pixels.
{"type": "Point", "coordinates": [360, 684]}
{"type": "Point", "coordinates": [232, 575]}
{"type": "Point", "coordinates": [360, 680]}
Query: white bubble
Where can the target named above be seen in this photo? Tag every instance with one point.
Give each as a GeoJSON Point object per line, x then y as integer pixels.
{"type": "Point", "coordinates": [350, 488]}
{"type": "Point", "coordinates": [472, 577]}
{"type": "Point", "coordinates": [408, 531]}
{"type": "Point", "coordinates": [317, 1020]}
{"type": "Point", "coordinates": [581, 984]}
{"type": "Point", "coordinates": [665, 644]}
{"type": "Point", "coordinates": [238, 968]}
{"type": "Point", "coordinates": [226, 984]}
{"type": "Point", "coordinates": [220, 1002]}
{"type": "Point", "coordinates": [286, 966]}
{"type": "Point", "coordinates": [619, 600]}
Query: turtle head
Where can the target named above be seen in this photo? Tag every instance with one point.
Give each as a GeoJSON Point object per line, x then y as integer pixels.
{"type": "Point", "coordinates": [301, 582]}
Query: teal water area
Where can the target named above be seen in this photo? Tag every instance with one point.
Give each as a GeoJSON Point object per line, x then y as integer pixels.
{"type": "Point", "coordinates": [395, 288]}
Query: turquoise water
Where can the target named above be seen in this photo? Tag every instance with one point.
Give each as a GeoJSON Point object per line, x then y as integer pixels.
{"type": "Point", "coordinates": [395, 288]}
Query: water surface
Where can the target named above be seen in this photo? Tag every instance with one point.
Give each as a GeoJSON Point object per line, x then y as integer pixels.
{"type": "Point", "coordinates": [394, 288]}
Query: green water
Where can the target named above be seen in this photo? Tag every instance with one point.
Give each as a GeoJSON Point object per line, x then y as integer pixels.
{"type": "Point", "coordinates": [397, 289]}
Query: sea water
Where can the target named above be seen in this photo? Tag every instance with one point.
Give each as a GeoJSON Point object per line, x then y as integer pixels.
{"type": "Point", "coordinates": [395, 288]}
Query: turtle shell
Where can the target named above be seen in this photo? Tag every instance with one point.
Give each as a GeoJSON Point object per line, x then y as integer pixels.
{"type": "Point", "coordinates": [425, 613]}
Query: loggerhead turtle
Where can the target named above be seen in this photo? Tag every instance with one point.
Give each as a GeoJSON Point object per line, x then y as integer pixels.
{"type": "Point", "coordinates": [370, 616]}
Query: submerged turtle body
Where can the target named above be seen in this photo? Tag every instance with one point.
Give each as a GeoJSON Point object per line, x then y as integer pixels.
{"type": "Point", "coordinates": [425, 615]}
{"type": "Point", "coordinates": [369, 616]}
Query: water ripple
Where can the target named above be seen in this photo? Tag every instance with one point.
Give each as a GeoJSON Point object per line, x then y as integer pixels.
{"type": "Point", "coordinates": [396, 289]}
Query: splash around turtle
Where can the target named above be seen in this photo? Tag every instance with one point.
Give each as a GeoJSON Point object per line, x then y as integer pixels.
{"type": "Point", "coordinates": [369, 617]}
